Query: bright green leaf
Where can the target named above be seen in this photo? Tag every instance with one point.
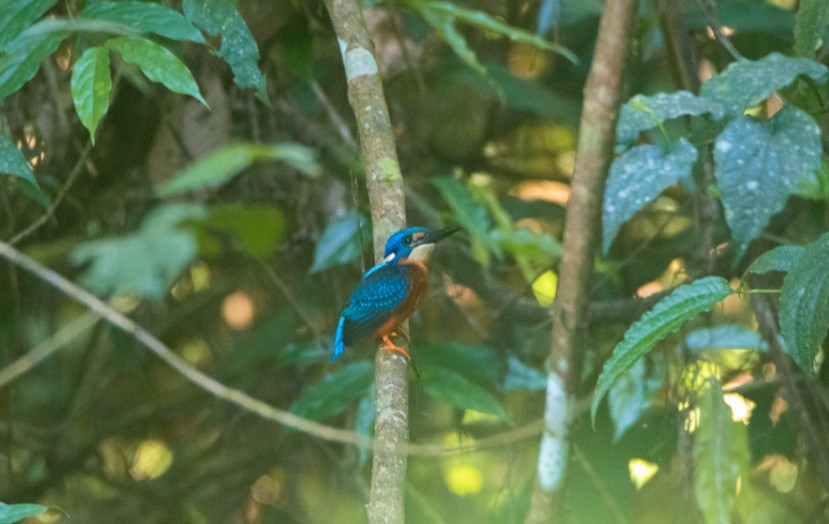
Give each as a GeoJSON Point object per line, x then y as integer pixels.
{"type": "Point", "coordinates": [637, 177]}
{"type": "Point", "coordinates": [781, 258]}
{"type": "Point", "coordinates": [733, 336]}
{"type": "Point", "coordinates": [145, 17]}
{"type": "Point", "coordinates": [342, 241]}
{"type": "Point", "coordinates": [630, 396]}
{"type": "Point", "coordinates": [721, 457]}
{"type": "Point", "coordinates": [667, 316]}
{"type": "Point", "coordinates": [812, 17]}
{"type": "Point", "coordinates": [239, 49]}
{"type": "Point", "coordinates": [804, 304]}
{"type": "Point", "coordinates": [529, 245]}
{"type": "Point", "coordinates": [158, 64]}
{"type": "Point", "coordinates": [454, 388]}
{"type": "Point", "coordinates": [91, 86]}
{"type": "Point", "coordinates": [746, 83]}
{"type": "Point", "coordinates": [11, 513]}
{"type": "Point", "coordinates": [641, 112]}
{"type": "Point", "coordinates": [759, 164]}
{"type": "Point", "coordinates": [255, 230]}
{"type": "Point", "coordinates": [223, 164]}
{"type": "Point", "coordinates": [16, 16]}
{"type": "Point", "coordinates": [146, 262]}
{"type": "Point", "coordinates": [817, 186]}
{"type": "Point", "coordinates": [522, 376]}
{"type": "Point", "coordinates": [335, 392]}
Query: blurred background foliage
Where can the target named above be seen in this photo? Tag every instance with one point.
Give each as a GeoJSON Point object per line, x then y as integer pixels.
{"type": "Point", "coordinates": [235, 234]}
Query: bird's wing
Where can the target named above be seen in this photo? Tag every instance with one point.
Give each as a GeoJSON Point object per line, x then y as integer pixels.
{"type": "Point", "coordinates": [376, 298]}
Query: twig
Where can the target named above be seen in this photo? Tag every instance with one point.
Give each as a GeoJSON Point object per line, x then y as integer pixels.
{"type": "Point", "coordinates": [334, 115]}
{"type": "Point", "coordinates": [707, 7]}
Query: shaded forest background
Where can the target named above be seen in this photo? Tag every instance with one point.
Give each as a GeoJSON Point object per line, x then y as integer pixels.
{"type": "Point", "coordinates": [235, 234]}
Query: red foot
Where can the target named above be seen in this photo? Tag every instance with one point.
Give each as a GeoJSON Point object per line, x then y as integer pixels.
{"type": "Point", "coordinates": [391, 346]}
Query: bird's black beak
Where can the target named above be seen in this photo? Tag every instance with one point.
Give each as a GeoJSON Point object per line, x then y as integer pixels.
{"type": "Point", "coordinates": [437, 235]}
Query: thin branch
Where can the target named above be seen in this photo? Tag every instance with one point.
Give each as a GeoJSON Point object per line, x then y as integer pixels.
{"type": "Point", "coordinates": [707, 7]}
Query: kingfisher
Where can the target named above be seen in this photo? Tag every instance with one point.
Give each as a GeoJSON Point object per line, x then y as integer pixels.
{"type": "Point", "coordinates": [390, 291]}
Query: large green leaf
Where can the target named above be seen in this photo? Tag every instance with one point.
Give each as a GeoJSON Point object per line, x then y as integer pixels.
{"type": "Point", "coordinates": [145, 17]}
{"type": "Point", "coordinates": [469, 214]}
{"type": "Point", "coordinates": [759, 164]}
{"type": "Point", "coordinates": [733, 336]}
{"type": "Point", "coordinates": [341, 242]}
{"type": "Point", "coordinates": [18, 15]}
{"type": "Point", "coordinates": [630, 396]}
{"type": "Point", "coordinates": [335, 392]}
{"type": "Point", "coordinates": [11, 513]}
{"type": "Point", "coordinates": [746, 83]}
{"type": "Point", "coordinates": [812, 17]}
{"type": "Point", "coordinates": [146, 262]}
{"type": "Point", "coordinates": [781, 258]}
{"type": "Point", "coordinates": [804, 304]}
{"type": "Point", "coordinates": [239, 49]}
{"type": "Point", "coordinates": [641, 112]}
{"type": "Point", "coordinates": [454, 388]}
{"type": "Point", "coordinates": [157, 63]}
{"type": "Point", "coordinates": [223, 164]}
{"type": "Point", "coordinates": [12, 162]}
{"type": "Point", "coordinates": [667, 316]}
{"type": "Point", "coordinates": [255, 230]}
{"type": "Point", "coordinates": [637, 177]}
{"type": "Point", "coordinates": [22, 57]}
{"type": "Point", "coordinates": [721, 457]}
{"type": "Point", "coordinates": [91, 86]}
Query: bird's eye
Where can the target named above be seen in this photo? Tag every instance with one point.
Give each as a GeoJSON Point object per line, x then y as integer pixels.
{"type": "Point", "coordinates": [407, 239]}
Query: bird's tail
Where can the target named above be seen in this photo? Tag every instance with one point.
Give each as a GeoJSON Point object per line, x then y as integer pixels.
{"type": "Point", "coordinates": [339, 345]}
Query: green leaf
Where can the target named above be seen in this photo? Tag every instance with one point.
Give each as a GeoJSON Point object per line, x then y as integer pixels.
{"type": "Point", "coordinates": [641, 112]}
{"type": "Point", "coordinates": [11, 513]}
{"type": "Point", "coordinates": [630, 396]}
{"type": "Point", "coordinates": [733, 336]}
{"type": "Point", "coordinates": [522, 376]}
{"type": "Point", "coordinates": [811, 18]}
{"type": "Point", "coordinates": [528, 245]}
{"type": "Point", "coordinates": [804, 304]}
{"type": "Point", "coordinates": [667, 316]}
{"type": "Point", "coordinates": [721, 457]}
{"type": "Point", "coordinates": [91, 86]}
{"type": "Point", "coordinates": [470, 215]}
{"type": "Point", "coordinates": [449, 386]}
{"type": "Point", "coordinates": [157, 63]}
{"type": "Point", "coordinates": [746, 83]}
{"type": "Point", "coordinates": [473, 362]}
{"type": "Point", "coordinates": [145, 17]}
{"type": "Point", "coordinates": [817, 186]}
{"type": "Point", "coordinates": [223, 164]}
{"type": "Point", "coordinates": [637, 177]}
{"type": "Point", "coordinates": [342, 241]}
{"type": "Point", "coordinates": [781, 258]}
{"type": "Point", "coordinates": [12, 162]}
{"type": "Point", "coordinates": [255, 230]}
{"type": "Point", "coordinates": [758, 165]}
{"type": "Point", "coordinates": [445, 26]}
{"type": "Point", "coordinates": [239, 49]}
{"type": "Point", "coordinates": [16, 16]}
{"type": "Point", "coordinates": [146, 262]}
{"type": "Point", "coordinates": [335, 392]}
{"type": "Point", "coordinates": [23, 56]}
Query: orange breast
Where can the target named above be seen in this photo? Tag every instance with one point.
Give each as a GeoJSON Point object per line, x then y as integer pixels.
{"type": "Point", "coordinates": [418, 283]}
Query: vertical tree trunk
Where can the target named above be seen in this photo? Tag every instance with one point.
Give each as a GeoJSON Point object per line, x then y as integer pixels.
{"type": "Point", "coordinates": [385, 190]}
{"type": "Point", "coordinates": [593, 156]}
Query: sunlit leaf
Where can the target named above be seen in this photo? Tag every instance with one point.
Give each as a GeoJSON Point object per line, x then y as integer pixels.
{"type": "Point", "coordinates": [811, 18]}
{"type": "Point", "coordinates": [239, 49]}
{"type": "Point", "coordinates": [667, 316]}
{"type": "Point", "coordinates": [804, 304]}
{"type": "Point", "coordinates": [629, 397]}
{"type": "Point", "coordinates": [732, 336]}
{"type": "Point", "coordinates": [16, 16]}
{"type": "Point", "coordinates": [746, 83]}
{"type": "Point", "coordinates": [91, 86]}
{"type": "Point", "coordinates": [721, 457]}
{"type": "Point", "coordinates": [527, 244]}
{"type": "Point", "coordinates": [335, 392]}
{"type": "Point", "coordinates": [157, 63]}
{"type": "Point", "coordinates": [11, 513]}
{"type": "Point", "coordinates": [342, 241]}
{"type": "Point", "coordinates": [454, 388]}
{"type": "Point", "coordinates": [255, 230]}
{"type": "Point", "coordinates": [759, 164]}
{"type": "Point", "coordinates": [145, 17]}
{"type": "Point", "coordinates": [146, 262]}
{"type": "Point", "coordinates": [641, 112]}
{"type": "Point", "coordinates": [522, 376]}
{"type": "Point", "coordinates": [781, 258]}
{"type": "Point", "coordinates": [223, 164]}
{"type": "Point", "coordinates": [637, 177]}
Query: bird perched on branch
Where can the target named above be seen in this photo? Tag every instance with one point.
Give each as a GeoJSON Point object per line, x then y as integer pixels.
{"type": "Point", "coordinates": [390, 291]}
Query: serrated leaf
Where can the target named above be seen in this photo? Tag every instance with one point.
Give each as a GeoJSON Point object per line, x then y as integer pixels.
{"type": "Point", "coordinates": [223, 164]}
{"type": "Point", "coordinates": [239, 49]}
{"type": "Point", "coordinates": [449, 386]}
{"type": "Point", "coordinates": [522, 376]}
{"type": "Point", "coordinates": [145, 17]}
{"type": "Point", "coordinates": [811, 18]}
{"type": "Point", "coordinates": [721, 456]}
{"type": "Point", "coordinates": [158, 63]}
{"type": "Point", "coordinates": [781, 258]}
{"type": "Point", "coordinates": [469, 214]}
{"type": "Point", "coordinates": [146, 262]}
{"type": "Point", "coordinates": [759, 164]}
{"type": "Point", "coordinates": [91, 86]}
{"type": "Point", "coordinates": [637, 177]}
{"type": "Point", "coordinates": [732, 336]}
{"type": "Point", "coordinates": [12, 162]}
{"type": "Point", "coordinates": [16, 16]}
{"type": "Point", "coordinates": [341, 242]}
{"type": "Point", "coordinates": [804, 304]}
{"type": "Point", "coordinates": [22, 57]}
{"type": "Point", "coordinates": [11, 513]}
{"type": "Point", "coordinates": [641, 112]}
{"type": "Point", "coordinates": [630, 396]}
{"type": "Point", "coordinates": [255, 230]}
{"type": "Point", "coordinates": [335, 392]}
{"type": "Point", "coordinates": [746, 83]}
{"type": "Point", "coordinates": [667, 316]}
